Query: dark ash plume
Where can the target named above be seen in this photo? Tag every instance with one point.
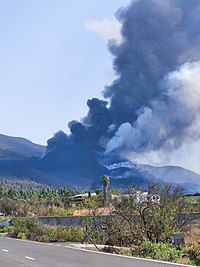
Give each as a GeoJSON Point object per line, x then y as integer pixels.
{"type": "Point", "coordinates": [59, 138]}
{"type": "Point", "coordinates": [98, 119]}
{"type": "Point", "coordinates": [154, 103]}
{"type": "Point", "coordinates": [160, 50]}
{"type": "Point", "coordinates": [77, 132]}
{"type": "Point", "coordinates": [158, 36]}
{"type": "Point", "coordinates": [92, 128]}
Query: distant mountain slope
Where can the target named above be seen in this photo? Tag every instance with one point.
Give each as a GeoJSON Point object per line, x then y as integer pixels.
{"type": "Point", "coordinates": [124, 175]}
{"type": "Point", "coordinates": [72, 166]}
{"type": "Point", "coordinates": [79, 166]}
{"type": "Point", "coordinates": [22, 184]}
{"type": "Point", "coordinates": [172, 174]}
{"type": "Point", "coordinates": [76, 165]}
{"type": "Point", "coordinates": [9, 155]}
{"type": "Point", "coordinates": [125, 183]}
{"type": "Point", "coordinates": [18, 146]}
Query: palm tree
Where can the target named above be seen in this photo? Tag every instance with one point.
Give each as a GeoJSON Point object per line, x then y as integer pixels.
{"type": "Point", "coordinates": [105, 182]}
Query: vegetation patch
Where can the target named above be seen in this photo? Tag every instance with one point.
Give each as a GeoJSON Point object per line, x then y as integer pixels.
{"type": "Point", "coordinates": [32, 229]}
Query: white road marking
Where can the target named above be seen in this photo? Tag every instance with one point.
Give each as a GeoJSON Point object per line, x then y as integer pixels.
{"type": "Point", "coordinates": [29, 258]}
{"type": "Point", "coordinates": [5, 250]}
{"type": "Point", "coordinates": [58, 245]}
{"type": "Point", "coordinates": [104, 253]}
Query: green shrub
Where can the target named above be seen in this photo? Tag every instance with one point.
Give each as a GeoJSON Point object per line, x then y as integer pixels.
{"type": "Point", "coordinates": [75, 234]}
{"type": "Point", "coordinates": [31, 227]}
{"type": "Point", "coordinates": [57, 233]}
{"type": "Point", "coordinates": [44, 238]}
{"type": "Point", "coordinates": [21, 236]}
{"type": "Point", "coordinates": [5, 229]}
{"type": "Point", "coordinates": [193, 252]}
{"type": "Point", "coordinates": [60, 211]}
{"type": "Point", "coordinates": [195, 262]}
{"type": "Point", "coordinates": [157, 251]}
{"type": "Point", "coordinates": [67, 234]}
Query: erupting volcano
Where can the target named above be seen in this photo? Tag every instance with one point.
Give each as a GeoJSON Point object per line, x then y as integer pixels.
{"type": "Point", "coordinates": [150, 114]}
{"type": "Point", "coordinates": [152, 109]}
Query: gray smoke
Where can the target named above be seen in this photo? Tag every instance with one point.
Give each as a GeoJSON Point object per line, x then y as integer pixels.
{"type": "Point", "coordinates": [158, 87]}
{"type": "Point", "coordinates": [153, 104]}
{"type": "Point", "coordinates": [172, 118]}
{"type": "Point", "coordinates": [158, 36]}
{"type": "Point", "coordinates": [59, 138]}
{"type": "Point", "coordinates": [90, 130]}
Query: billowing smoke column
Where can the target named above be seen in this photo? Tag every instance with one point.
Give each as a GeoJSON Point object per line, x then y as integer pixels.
{"type": "Point", "coordinates": [154, 103]}
{"type": "Point", "coordinates": [171, 118]}
{"type": "Point", "coordinates": [156, 97]}
{"type": "Point", "coordinates": [91, 130]}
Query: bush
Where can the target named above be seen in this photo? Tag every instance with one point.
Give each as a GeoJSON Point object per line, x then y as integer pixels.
{"type": "Point", "coordinates": [60, 211]}
{"type": "Point", "coordinates": [193, 252]}
{"type": "Point", "coordinates": [67, 234]}
{"type": "Point", "coordinates": [75, 234]}
{"type": "Point", "coordinates": [21, 236]}
{"type": "Point", "coordinates": [5, 229]}
{"type": "Point", "coordinates": [157, 251]}
{"type": "Point", "coordinates": [30, 227]}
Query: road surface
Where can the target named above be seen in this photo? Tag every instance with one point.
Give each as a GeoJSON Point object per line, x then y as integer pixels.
{"type": "Point", "coordinates": [19, 253]}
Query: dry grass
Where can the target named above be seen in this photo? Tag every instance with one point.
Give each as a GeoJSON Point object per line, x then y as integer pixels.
{"type": "Point", "coordinates": [192, 233]}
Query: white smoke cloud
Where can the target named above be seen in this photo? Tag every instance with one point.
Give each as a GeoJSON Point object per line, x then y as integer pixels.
{"type": "Point", "coordinates": [124, 133]}
{"type": "Point", "coordinates": [168, 132]}
{"type": "Point", "coordinates": [125, 164]}
{"type": "Point", "coordinates": [185, 156]}
{"type": "Point", "coordinates": [107, 29]}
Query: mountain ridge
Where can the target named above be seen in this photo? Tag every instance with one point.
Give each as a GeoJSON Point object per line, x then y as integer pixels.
{"type": "Point", "coordinates": [20, 146]}
{"type": "Point", "coordinates": [82, 166]}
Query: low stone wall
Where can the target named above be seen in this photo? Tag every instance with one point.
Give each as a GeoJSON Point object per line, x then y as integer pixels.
{"type": "Point", "coordinates": [6, 222]}
{"type": "Point", "coordinates": [191, 217]}
{"type": "Point", "coordinates": [80, 220]}
{"type": "Point", "coordinates": [65, 221]}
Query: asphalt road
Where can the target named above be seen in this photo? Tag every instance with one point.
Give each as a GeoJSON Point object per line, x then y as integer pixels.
{"type": "Point", "coordinates": [18, 253]}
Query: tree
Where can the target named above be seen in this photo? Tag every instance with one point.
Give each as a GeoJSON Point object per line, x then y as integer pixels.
{"type": "Point", "coordinates": [135, 220]}
{"type": "Point", "coordinates": [163, 218]}
{"type": "Point", "coordinates": [105, 182]}
{"type": "Point", "coordinates": [2, 191]}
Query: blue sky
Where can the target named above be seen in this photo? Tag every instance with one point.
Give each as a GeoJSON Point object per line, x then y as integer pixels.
{"type": "Point", "coordinates": [53, 57]}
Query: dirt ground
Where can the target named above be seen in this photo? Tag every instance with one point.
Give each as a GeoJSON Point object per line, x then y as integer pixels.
{"type": "Point", "coordinates": [192, 233]}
